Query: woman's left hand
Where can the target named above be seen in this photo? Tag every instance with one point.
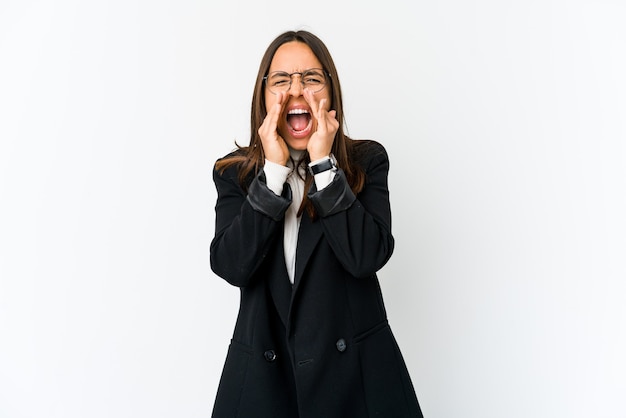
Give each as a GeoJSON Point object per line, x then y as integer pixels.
{"type": "Point", "coordinates": [325, 125]}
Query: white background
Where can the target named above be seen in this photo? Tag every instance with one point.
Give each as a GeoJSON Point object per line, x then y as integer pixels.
{"type": "Point", "coordinates": [505, 125]}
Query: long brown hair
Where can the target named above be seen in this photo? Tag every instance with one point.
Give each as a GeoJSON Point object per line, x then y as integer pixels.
{"type": "Point", "coordinates": [251, 158]}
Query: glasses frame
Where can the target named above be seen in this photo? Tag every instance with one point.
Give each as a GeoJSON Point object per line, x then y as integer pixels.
{"type": "Point", "coordinates": [300, 73]}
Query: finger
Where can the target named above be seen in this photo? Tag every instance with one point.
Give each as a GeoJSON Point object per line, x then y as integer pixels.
{"type": "Point", "coordinates": [322, 116]}
{"type": "Point", "coordinates": [310, 99]}
{"type": "Point", "coordinates": [271, 119]}
{"type": "Point", "coordinates": [277, 107]}
{"type": "Point", "coordinates": [330, 122]}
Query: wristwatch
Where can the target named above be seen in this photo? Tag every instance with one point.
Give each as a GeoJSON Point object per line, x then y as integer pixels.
{"type": "Point", "coordinates": [329, 164]}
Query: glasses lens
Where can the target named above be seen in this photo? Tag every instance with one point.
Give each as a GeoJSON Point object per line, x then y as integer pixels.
{"type": "Point", "coordinates": [278, 82]}
{"type": "Point", "coordinates": [313, 79]}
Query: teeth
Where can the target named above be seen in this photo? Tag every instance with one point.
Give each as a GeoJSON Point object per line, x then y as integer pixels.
{"type": "Point", "coordinates": [297, 111]}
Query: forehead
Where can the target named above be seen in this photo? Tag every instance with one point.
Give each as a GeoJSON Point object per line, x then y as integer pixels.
{"type": "Point", "coordinates": [294, 56]}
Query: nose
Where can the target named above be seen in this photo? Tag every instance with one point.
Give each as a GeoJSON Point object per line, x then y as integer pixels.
{"type": "Point", "coordinates": [296, 87]}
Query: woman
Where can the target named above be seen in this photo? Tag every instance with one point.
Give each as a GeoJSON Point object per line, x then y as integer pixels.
{"type": "Point", "coordinates": [303, 224]}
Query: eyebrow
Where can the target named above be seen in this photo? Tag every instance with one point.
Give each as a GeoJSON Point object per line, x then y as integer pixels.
{"type": "Point", "coordinates": [276, 73]}
{"type": "Point", "coordinates": [307, 71]}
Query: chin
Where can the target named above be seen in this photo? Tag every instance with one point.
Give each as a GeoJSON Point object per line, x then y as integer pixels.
{"type": "Point", "coordinates": [297, 144]}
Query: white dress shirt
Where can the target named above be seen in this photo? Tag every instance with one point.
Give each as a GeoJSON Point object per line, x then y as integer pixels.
{"type": "Point", "coordinates": [276, 176]}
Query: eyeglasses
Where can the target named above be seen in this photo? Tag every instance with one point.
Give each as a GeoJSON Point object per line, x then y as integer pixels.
{"type": "Point", "coordinates": [313, 79]}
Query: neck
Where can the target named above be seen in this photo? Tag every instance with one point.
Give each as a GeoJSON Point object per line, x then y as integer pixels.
{"type": "Point", "coordinates": [296, 154]}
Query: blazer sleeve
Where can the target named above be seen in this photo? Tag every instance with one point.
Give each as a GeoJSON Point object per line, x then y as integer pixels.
{"type": "Point", "coordinates": [245, 225]}
{"type": "Point", "coordinates": [358, 228]}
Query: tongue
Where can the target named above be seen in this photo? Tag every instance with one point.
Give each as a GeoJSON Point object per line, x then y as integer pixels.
{"type": "Point", "coordinates": [299, 122]}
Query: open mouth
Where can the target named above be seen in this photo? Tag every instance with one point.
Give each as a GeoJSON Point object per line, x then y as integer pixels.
{"type": "Point", "coordinates": [299, 121]}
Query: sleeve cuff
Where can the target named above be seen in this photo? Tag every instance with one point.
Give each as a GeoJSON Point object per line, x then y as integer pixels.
{"type": "Point", "coordinates": [265, 201]}
{"type": "Point", "coordinates": [323, 179]}
{"type": "Point", "coordinates": [276, 176]}
{"type": "Point", "coordinates": [335, 198]}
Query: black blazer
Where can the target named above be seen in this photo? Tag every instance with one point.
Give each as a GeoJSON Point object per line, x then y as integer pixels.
{"type": "Point", "coordinates": [322, 347]}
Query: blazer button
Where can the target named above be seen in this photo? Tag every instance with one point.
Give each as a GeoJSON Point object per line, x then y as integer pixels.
{"type": "Point", "coordinates": [341, 345]}
{"type": "Point", "coordinates": [270, 355]}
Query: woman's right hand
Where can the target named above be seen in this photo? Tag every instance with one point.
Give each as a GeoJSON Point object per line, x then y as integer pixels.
{"type": "Point", "coordinates": [274, 146]}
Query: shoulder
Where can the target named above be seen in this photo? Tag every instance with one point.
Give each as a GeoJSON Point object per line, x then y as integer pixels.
{"type": "Point", "coordinates": [233, 155]}
{"type": "Point", "coordinates": [228, 166]}
{"type": "Point", "coordinates": [234, 167]}
{"type": "Point", "coordinates": [367, 152]}
{"type": "Point", "coordinates": [231, 161]}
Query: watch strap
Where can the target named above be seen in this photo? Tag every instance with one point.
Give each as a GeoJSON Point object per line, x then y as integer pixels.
{"type": "Point", "coordinates": [325, 165]}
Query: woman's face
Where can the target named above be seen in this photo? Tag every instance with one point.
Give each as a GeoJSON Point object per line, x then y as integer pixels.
{"type": "Point", "coordinates": [296, 124]}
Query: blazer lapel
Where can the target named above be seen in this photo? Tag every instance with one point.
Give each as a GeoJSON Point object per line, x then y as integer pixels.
{"type": "Point", "coordinates": [308, 236]}
{"type": "Point", "coordinates": [281, 289]}
{"type": "Point", "coordinates": [279, 284]}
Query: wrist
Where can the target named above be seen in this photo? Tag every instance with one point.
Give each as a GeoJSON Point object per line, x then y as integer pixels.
{"type": "Point", "coordinates": [323, 164]}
